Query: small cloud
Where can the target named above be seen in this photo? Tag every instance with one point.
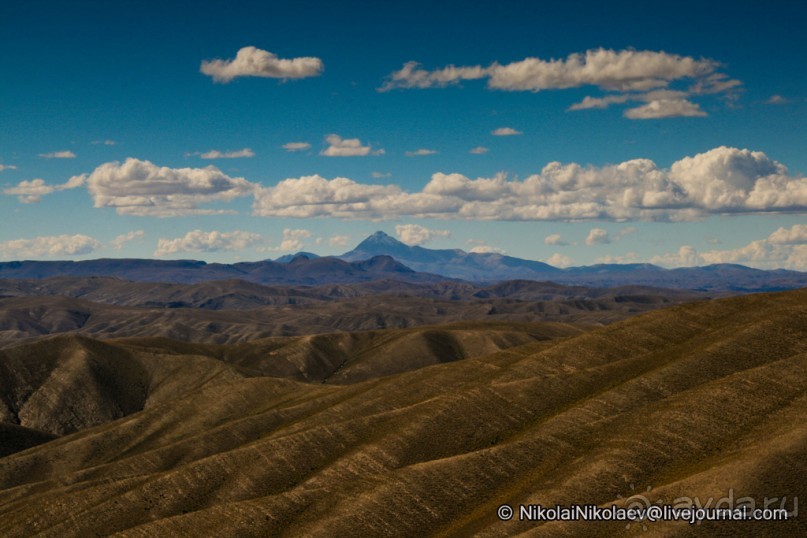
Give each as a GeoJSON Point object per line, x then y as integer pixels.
{"type": "Point", "coordinates": [505, 131]}
{"type": "Point", "coordinates": [776, 100]}
{"type": "Point", "coordinates": [31, 192]}
{"type": "Point", "coordinates": [58, 155]}
{"type": "Point", "coordinates": [420, 152]}
{"type": "Point", "coordinates": [49, 246]}
{"type": "Point", "coordinates": [630, 257]}
{"type": "Point", "coordinates": [414, 234]}
{"type": "Point", "coordinates": [487, 249]}
{"type": "Point", "coordinates": [293, 239]}
{"type": "Point", "coordinates": [239, 154]}
{"type": "Point", "coordinates": [665, 108]}
{"type": "Point", "coordinates": [104, 142]}
{"type": "Point", "coordinates": [624, 232]}
{"type": "Point", "coordinates": [597, 236]}
{"type": "Point", "coordinates": [381, 175]}
{"type": "Point", "coordinates": [121, 240]}
{"type": "Point", "coordinates": [296, 146]}
{"type": "Point", "coordinates": [346, 147]}
{"type": "Point", "coordinates": [199, 241]}
{"type": "Point", "coordinates": [479, 150]}
{"type": "Point", "coordinates": [559, 260]}
{"type": "Point", "coordinates": [554, 239]}
{"type": "Point", "coordinates": [254, 62]}
{"type": "Point", "coordinates": [339, 240]}
{"type": "Point", "coordinates": [7, 167]}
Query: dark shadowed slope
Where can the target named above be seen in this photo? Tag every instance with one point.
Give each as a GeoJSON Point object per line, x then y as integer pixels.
{"type": "Point", "coordinates": [699, 399]}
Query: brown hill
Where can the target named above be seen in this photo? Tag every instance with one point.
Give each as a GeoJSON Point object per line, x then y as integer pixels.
{"type": "Point", "coordinates": [707, 400]}
{"type": "Point", "coordinates": [227, 312]}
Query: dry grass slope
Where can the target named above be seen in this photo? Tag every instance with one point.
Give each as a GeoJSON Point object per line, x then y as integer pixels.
{"type": "Point", "coordinates": [693, 400]}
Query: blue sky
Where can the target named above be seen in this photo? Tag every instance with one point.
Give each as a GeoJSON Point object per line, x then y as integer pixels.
{"type": "Point", "coordinates": [677, 131]}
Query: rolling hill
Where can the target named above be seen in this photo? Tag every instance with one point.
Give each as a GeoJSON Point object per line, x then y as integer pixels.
{"type": "Point", "coordinates": [704, 399]}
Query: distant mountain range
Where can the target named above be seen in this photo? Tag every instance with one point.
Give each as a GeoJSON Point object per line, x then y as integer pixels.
{"type": "Point", "coordinates": [383, 257]}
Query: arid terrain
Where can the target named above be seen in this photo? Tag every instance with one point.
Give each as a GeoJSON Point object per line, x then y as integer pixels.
{"type": "Point", "coordinates": [415, 416]}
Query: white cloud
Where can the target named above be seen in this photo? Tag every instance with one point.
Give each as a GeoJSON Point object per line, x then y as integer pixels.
{"type": "Point", "coordinates": [7, 167]}
{"type": "Point", "coordinates": [121, 240]}
{"type": "Point", "coordinates": [216, 154]}
{"type": "Point", "coordinates": [785, 248]}
{"type": "Point", "coordinates": [58, 155]}
{"type": "Point", "coordinates": [414, 234]}
{"type": "Point", "coordinates": [296, 146]}
{"type": "Point", "coordinates": [478, 150]}
{"type": "Point", "coordinates": [795, 235]}
{"type": "Point", "coordinates": [597, 236]}
{"type": "Point", "coordinates": [347, 147]}
{"type": "Point", "coordinates": [293, 239]}
{"type": "Point", "coordinates": [554, 239]}
{"type": "Point", "coordinates": [505, 131]}
{"type": "Point", "coordinates": [635, 75]}
{"type": "Point", "coordinates": [30, 192]}
{"type": "Point", "coordinates": [607, 69]}
{"type": "Point", "coordinates": [665, 108]}
{"type": "Point", "coordinates": [141, 188]}
{"type": "Point", "coordinates": [104, 142]}
{"type": "Point", "coordinates": [199, 241]}
{"type": "Point", "coordinates": [559, 260]}
{"type": "Point", "coordinates": [487, 249]}
{"type": "Point", "coordinates": [381, 175]}
{"type": "Point", "coordinates": [776, 100]}
{"type": "Point", "coordinates": [722, 180]}
{"type": "Point", "coordinates": [339, 240]}
{"type": "Point", "coordinates": [420, 152]}
{"type": "Point", "coordinates": [630, 257]}
{"type": "Point", "coordinates": [49, 246]}
{"type": "Point", "coordinates": [254, 62]}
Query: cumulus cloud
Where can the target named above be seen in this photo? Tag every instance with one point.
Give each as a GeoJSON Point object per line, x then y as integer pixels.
{"type": "Point", "coordinates": [633, 75]}
{"type": "Point", "coordinates": [479, 150]}
{"type": "Point", "coordinates": [665, 108]}
{"type": "Point", "coordinates": [414, 234]}
{"type": "Point", "coordinates": [608, 69]}
{"type": "Point", "coordinates": [597, 236]}
{"type": "Point", "coordinates": [795, 235]}
{"type": "Point", "coordinates": [487, 249]}
{"type": "Point", "coordinates": [559, 260]}
{"type": "Point", "coordinates": [58, 155]}
{"type": "Point", "coordinates": [121, 240]}
{"type": "Point", "coordinates": [254, 62]}
{"type": "Point", "coordinates": [7, 167]}
{"type": "Point", "coordinates": [238, 154]}
{"type": "Point", "coordinates": [347, 147]}
{"type": "Point", "coordinates": [554, 239]}
{"type": "Point", "coordinates": [786, 248]}
{"type": "Point", "coordinates": [31, 192]}
{"type": "Point", "coordinates": [720, 181]}
{"type": "Point", "coordinates": [505, 131]}
{"type": "Point", "coordinates": [420, 152]}
{"type": "Point", "coordinates": [293, 239]}
{"type": "Point", "coordinates": [339, 240]}
{"type": "Point", "coordinates": [199, 241]}
{"type": "Point", "coordinates": [296, 146]}
{"type": "Point", "coordinates": [141, 188]}
{"type": "Point", "coordinates": [49, 246]}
